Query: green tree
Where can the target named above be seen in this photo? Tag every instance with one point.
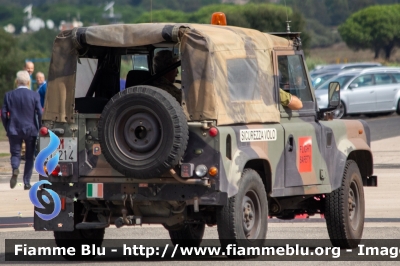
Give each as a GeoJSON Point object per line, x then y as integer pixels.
{"type": "Point", "coordinates": [41, 41]}
{"type": "Point", "coordinates": [11, 61]}
{"type": "Point", "coordinates": [262, 17]}
{"type": "Point", "coordinates": [162, 16]}
{"type": "Point", "coordinates": [376, 28]}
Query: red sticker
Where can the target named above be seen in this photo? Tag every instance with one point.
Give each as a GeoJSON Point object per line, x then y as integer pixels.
{"type": "Point", "coordinates": [305, 154]}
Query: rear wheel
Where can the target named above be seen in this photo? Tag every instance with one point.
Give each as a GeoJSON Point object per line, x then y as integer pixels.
{"type": "Point", "coordinates": [243, 220]}
{"type": "Point", "coordinates": [78, 237]}
{"type": "Point", "coordinates": [345, 209]}
{"type": "Point", "coordinates": [189, 235]}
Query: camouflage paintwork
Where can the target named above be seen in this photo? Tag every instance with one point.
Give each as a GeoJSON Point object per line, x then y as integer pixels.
{"type": "Point", "coordinates": [295, 153]}
{"type": "Point", "coordinates": [210, 55]}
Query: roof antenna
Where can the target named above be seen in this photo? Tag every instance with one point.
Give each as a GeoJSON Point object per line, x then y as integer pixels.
{"type": "Point", "coordinates": [287, 20]}
{"type": "Point", "coordinates": [151, 11]}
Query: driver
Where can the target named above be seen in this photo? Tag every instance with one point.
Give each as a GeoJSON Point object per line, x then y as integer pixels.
{"type": "Point", "coordinates": [162, 60]}
{"type": "Point", "coordinates": [290, 101]}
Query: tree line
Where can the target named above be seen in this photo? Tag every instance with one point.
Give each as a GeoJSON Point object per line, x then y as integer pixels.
{"type": "Point", "coordinates": [15, 49]}
{"type": "Point", "coordinates": [375, 27]}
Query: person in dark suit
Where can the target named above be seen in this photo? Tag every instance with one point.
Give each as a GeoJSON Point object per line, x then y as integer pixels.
{"type": "Point", "coordinates": [21, 115]}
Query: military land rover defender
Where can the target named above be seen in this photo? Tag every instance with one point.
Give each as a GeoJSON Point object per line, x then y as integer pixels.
{"type": "Point", "coordinates": [229, 155]}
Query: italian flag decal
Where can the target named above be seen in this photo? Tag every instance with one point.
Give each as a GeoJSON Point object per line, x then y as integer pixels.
{"type": "Point", "coordinates": [94, 190]}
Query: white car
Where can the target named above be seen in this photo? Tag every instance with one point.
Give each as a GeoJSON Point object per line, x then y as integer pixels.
{"type": "Point", "coordinates": [365, 91]}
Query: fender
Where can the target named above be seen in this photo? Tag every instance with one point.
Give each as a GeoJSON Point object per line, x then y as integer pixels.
{"type": "Point", "coordinates": [347, 147]}
{"type": "Point", "coordinates": [239, 160]}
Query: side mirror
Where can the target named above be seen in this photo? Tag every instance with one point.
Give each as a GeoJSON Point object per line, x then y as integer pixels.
{"type": "Point", "coordinates": [353, 85]}
{"type": "Point", "coordinates": [334, 95]}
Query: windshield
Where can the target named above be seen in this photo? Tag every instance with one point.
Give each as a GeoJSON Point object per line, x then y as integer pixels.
{"type": "Point", "coordinates": [341, 79]}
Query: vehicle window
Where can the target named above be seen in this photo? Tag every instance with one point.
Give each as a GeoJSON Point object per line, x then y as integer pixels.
{"type": "Point", "coordinates": [140, 62]}
{"type": "Point", "coordinates": [242, 73]}
{"type": "Point", "coordinates": [85, 70]}
{"type": "Point", "coordinates": [363, 81]}
{"type": "Point", "coordinates": [397, 77]}
{"type": "Point", "coordinates": [383, 79]}
{"type": "Point", "coordinates": [292, 76]}
{"type": "Point", "coordinates": [341, 79]}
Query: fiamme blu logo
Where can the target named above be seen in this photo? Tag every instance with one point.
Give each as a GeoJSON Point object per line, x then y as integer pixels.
{"type": "Point", "coordinates": [40, 168]}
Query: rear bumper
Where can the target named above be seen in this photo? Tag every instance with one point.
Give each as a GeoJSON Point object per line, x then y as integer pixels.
{"type": "Point", "coordinates": [118, 192]}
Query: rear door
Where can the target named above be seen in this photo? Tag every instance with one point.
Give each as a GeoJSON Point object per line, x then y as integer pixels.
{"type": "Point", "coordinates": [386, 90]}
{"type": "Point", "coordinates": [361, 95]}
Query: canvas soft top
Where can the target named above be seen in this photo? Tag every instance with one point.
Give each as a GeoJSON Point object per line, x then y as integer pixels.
{"type": "Point", "coordinates": [227, 72]}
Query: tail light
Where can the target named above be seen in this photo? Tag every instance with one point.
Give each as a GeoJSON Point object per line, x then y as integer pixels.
{"type": "Point", "coordinates": [44, 131]}
{"type": "Point", "coordinates": [63, 201]}
{"type": "Point", "coordinates": [56, 171]}
{"type": "Point", "coordinates": [213, 132]}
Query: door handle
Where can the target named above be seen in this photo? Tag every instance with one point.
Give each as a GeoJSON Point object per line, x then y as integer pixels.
{"type": "Point", "coordinates": [290, 143]}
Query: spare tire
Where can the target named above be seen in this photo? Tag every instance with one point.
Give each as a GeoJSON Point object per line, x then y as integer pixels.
{"type": "Point", "coordinates": [143, 132]}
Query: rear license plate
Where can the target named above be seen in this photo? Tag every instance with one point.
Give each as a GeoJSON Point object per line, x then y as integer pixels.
{"type": "Point", "coordinates": [67, 149]}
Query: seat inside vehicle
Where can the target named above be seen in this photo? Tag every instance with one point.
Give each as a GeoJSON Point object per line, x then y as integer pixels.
{"type": "Point", "coordinates": [367, 82]}
{"type": "Point", "coordinates": [137, 77]}
{"type": "Point", "coordinates": [90, 105]}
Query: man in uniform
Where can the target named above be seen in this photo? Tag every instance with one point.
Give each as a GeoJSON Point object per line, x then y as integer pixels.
{"type": "Point", "coordinates": [290, 101]}
{"type": "Point", "coordinates": [162, 60]}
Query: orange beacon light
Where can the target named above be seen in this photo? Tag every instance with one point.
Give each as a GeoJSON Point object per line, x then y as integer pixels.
{"type": "Point", "coordinates": [218, 18]}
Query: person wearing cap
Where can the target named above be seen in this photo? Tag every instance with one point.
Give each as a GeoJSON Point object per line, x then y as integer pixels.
{"type": "Point", "coordinates": [20, 114]}
{"type": "Point", "coordinates": [161, 61]}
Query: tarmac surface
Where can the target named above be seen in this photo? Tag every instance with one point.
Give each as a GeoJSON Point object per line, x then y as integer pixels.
{"type": "Point", "coordinates": [16, 210]}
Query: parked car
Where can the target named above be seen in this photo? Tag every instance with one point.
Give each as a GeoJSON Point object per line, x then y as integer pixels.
{"type": "Point", "coordinates": [364, 91]}
{"type": "Point", "coordinates": [320, 79]}
{"type": "Point", "coordinates": [340, 67]}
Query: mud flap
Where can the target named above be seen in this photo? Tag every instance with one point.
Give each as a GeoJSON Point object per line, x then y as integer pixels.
{"type": "Point", "coordinates": [64, 221]}
{"type": "Point", "coordinates": [371, 181]}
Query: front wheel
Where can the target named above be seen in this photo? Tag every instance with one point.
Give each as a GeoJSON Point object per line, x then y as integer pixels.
{"type": "Point", "coordinates": [345, 209]}
{"type": "Point", "coordinates": [243, 220]}
{"type": "Point", "coordinates": [398, 107]}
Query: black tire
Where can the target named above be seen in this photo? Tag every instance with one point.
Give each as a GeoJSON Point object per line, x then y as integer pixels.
{"type": "Point", "coordinates": [78, 237]}
{"type": "Point", "coordinates": [341, 111]}
{"type": "Point", "coordinates": [385, 113]}
{"type": "Point", "coordinates": [345, 209]}
{"type": "Point", "coordinates": [189, 235]}
{"type": "Point", "coordinates": [244, 219]}
{"type": "Point", "coordinates": [143, 132]}
{"type": "Point", "coordinates": [398, 108]}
